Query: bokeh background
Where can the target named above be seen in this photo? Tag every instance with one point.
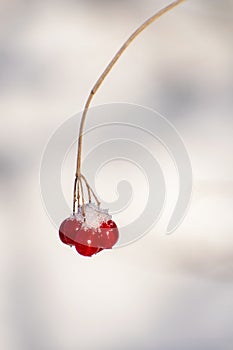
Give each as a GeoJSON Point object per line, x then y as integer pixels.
{"type": "Point", "coordinates": [162, 292]}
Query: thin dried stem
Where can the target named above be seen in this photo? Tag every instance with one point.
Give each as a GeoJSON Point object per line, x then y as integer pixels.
{"type": "Point", "coordinates": [78, 194]}
{"type": "Point", "coordinates": [89, 193]}
{"type": "Point", "coordinates": [91, 190]}
{"type": "Point", "coordinates": [88, 188]}
{"type": "Point", "coordinates": [74, 198]}
{"type": "Point", "coordinates": [110, 66]}
{"type": "Point", "coordinates": [83, 198]}
{"type": "Point", "coordinates": [141, 28]}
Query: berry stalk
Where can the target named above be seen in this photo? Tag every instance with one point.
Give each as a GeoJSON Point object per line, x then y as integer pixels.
{"type": "Point", "coordinates": [78, 176]}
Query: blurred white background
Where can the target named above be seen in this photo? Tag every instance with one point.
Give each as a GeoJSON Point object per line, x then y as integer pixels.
{"type": "Point", "coordinates": [162, 292]}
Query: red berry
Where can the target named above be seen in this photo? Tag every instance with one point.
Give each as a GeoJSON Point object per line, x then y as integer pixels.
{"type": "Point", "coordinates": [87, 236]}
{"type": "Point", "coordinates": [68, 230]}
{"type": "Point", "coordinates": [86, 242]}
{"type": "Point", "coordinates": [86, 250]}
{"type": "Point", "coordinates": [108, 235]}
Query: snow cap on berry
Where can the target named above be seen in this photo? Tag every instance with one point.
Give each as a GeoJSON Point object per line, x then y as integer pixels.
{"type": "Point", "coordinates": [94, 216]}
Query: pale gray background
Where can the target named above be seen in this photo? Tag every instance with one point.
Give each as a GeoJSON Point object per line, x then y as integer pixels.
{"type": "Point", "coordinates": [162, 293]}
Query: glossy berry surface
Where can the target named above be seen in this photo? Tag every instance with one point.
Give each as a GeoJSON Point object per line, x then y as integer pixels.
{"type": "Point", "coordinates": [86, 250]}
{"type": "Point", "coordinates": [68, 230]}
{"type": "Point", "coordinates": [87, 242]}
{"type": "Point", "coordinates": [108, 235]}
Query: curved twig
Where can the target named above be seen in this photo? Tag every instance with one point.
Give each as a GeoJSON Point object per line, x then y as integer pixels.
{"type": "Point", "coordinates": [141, 28]}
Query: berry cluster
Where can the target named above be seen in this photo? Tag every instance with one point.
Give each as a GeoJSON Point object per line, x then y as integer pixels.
{"type": "Point", "coordinates": [90, 234]}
